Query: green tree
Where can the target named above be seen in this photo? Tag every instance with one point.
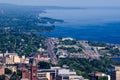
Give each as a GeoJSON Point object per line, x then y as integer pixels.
{"type": "Point", "coordinates": [14, 76]}
{"type": "Point", "coordinates": [8, 71]}
{"type": "Point", "coordinates": [19, 73]}
{"type": "Point", "coordinates": [2, 77]}
{"type": "Point", "coordinates": [102, 78]}
{"type": "Point", "coordinates": [43, 65]}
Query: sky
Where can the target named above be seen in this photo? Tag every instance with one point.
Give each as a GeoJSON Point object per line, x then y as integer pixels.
{"type": "Point", "coordinates": [76, 3]}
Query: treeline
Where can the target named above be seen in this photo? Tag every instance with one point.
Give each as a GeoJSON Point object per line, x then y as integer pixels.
{"type": "Point", "coordinates": [23, 24]}
{"type": "Point", "coordinates": [85, 66]}
{"type": "Point", "coordinates": [98, 44]}
{"type": "Point", "coordinates": [22, 44]}
{"type": "Point", "coordinates": [25, 19]}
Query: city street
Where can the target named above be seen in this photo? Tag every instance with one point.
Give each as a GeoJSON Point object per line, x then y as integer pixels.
{"type": "Point", "coordinates": [51, 51]}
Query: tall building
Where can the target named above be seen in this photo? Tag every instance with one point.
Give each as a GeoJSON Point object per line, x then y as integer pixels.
{"type": "Point", "coordinates": [34, 71]}
{"type": "Point", "coordinates": [26, 74]}
{"type": "Point", "coordinates": [115, 75]}
{"type": "Point", "coordinates": [2, 69]}
{"type": "Point", "coordinates": [30, 72]}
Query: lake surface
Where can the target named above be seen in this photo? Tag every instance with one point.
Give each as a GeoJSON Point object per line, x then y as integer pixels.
{"type": "Point", "coordinates": [115, 59]}
{"type": "Point", "coordinates": [94, 24]}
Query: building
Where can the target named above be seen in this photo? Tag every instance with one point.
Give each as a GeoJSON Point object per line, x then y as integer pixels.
{"type": "Point", "coordinates": [46, 74]}
{"type": "Point", "coordinates": [115, 75]}
{"type": "Point", "coordinates": [30, 72]}
{"type": "Point", "coordinates": [13, 58]}
{"type": "Point", "coordinates": [9, 58]}
{"type": "Point", "coordinates": [2, 69]}
{"type": "Point", "coordinates": [75, 77]}
{"type": "Point", "coordinates": [66, 74]}
{"type": "Point", "coordinates": [56, 73]}
{"type": "Point", "coordinates": [26, 74]}
{"type": "Point", "coordinates": [34, 71]}
{"type": "Point", "coordinates": [24, 60]}
{"type": "Point", "coordinates": [40, 57]}
{"type": "Point", "coordinates": [99, 76]}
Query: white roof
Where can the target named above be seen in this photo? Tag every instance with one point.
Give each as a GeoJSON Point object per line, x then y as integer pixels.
{"type": "Point", "coordinates": [66, 72]}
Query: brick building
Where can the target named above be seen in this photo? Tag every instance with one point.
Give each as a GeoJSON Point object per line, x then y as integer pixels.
{"type": "Point", "coordinates": [34, 71]}
{"type": "Point", "coordinates": [30, 72]}
{"type": "Point", "coordinates": [2, 69]}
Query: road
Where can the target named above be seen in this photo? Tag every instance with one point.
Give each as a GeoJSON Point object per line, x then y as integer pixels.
{"type": "Point", "coordinates": [90, 51]}
{"type": "Point", "coordinates": [51, 53]}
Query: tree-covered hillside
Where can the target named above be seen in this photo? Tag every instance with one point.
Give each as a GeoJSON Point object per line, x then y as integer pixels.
{"type": "Point", "coordinates": [22, 44]}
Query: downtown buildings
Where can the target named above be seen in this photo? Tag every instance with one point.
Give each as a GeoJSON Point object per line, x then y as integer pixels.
{"type": "Point", "coordinates": [30, 70]}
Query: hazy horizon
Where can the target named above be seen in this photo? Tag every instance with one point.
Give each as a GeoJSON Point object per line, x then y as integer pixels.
{"type": "Point", "coordinates": [77, 3]}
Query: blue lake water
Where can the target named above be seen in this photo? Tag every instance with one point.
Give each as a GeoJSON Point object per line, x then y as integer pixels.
{"type": "Point", "coordinates": [116, 59]}
{"type": "Point", "coordinates": [87, 24]}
